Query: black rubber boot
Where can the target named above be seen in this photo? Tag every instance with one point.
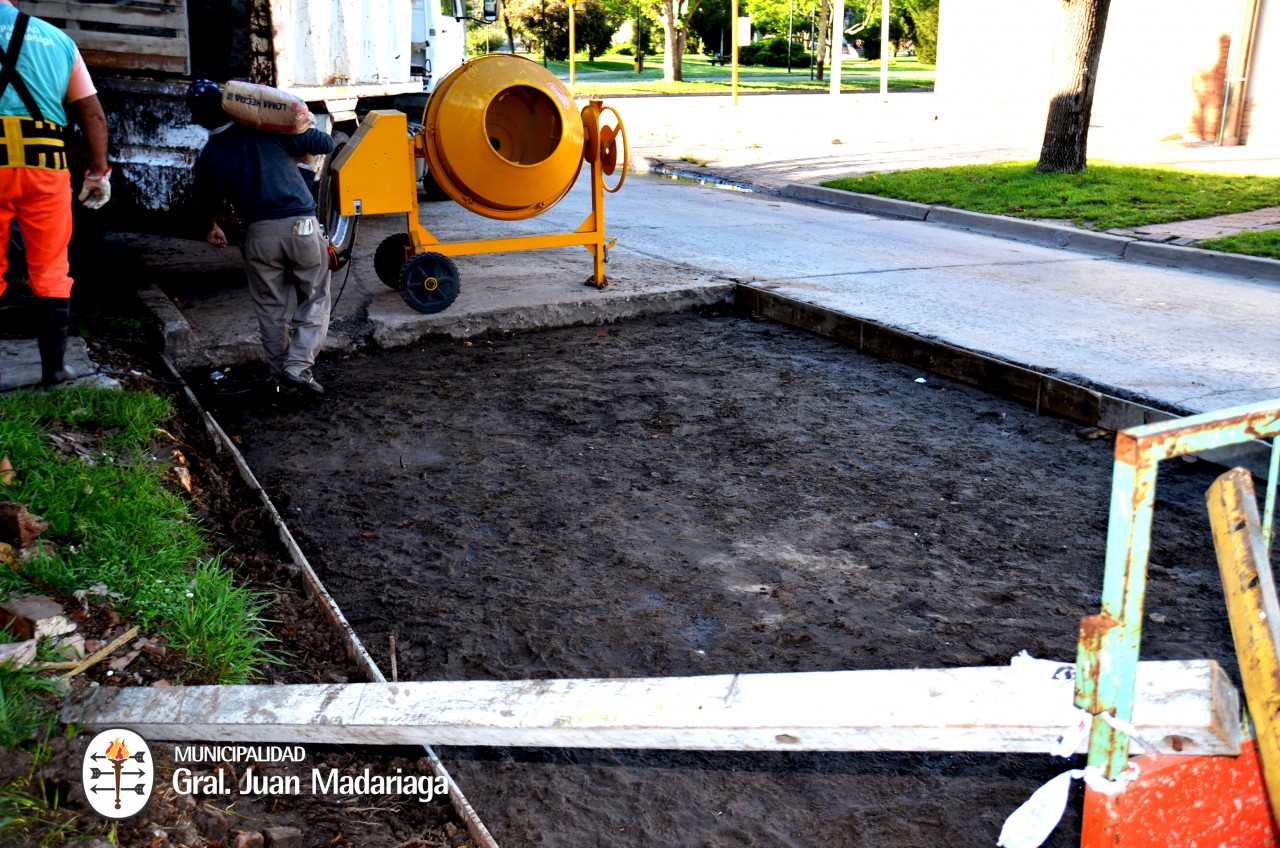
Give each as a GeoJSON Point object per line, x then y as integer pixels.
{"type": "Point", "coordinates": [53, 341]}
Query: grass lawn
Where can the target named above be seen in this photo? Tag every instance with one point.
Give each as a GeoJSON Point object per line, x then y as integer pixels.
{"type": "Point", "coordinates": [1101, 198]}
{"type": "Point", "coordinates": [1265, 243]}
{"type": "Point", "coordinates": [613, 74]}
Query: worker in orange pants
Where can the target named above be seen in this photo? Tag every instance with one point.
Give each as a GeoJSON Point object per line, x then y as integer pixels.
{"type": "Point", "coordinates": [40, 72]}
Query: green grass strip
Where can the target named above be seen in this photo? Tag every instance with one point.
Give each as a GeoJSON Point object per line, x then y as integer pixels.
{"type": "Point", "coordinates": [1265, 243]}
{"type": "Point", "coordinates": [1103, 197]}
{"type": "Point", "coordinates": [89, 462]}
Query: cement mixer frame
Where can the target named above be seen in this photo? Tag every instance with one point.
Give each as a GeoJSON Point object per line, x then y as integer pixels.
{"type": "Point", "coordinates": [501, 139]}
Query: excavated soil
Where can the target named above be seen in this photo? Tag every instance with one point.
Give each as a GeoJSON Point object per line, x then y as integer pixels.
{"type": "Point", "coordinates": [699, 494]}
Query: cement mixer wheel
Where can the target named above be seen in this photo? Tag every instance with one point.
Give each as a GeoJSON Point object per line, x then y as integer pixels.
{"type": "Point", "coordinates": [429, 282]}
{"type": "Point", "coordinates": [389, 259]}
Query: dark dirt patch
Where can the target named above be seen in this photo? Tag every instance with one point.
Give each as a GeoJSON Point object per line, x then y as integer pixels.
{"type": "Point", "coordinates": [694, 495]}
{"type": "Point", "coordinates": [240, 529]}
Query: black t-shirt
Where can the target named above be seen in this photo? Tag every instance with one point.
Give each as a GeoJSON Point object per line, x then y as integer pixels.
{"type": "Point", "coordinates": [257, 172]}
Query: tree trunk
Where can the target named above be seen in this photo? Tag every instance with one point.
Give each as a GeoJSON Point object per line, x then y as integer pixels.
{"type": "Point", "coordinates": [511, 33]}
{"type": "Point", "coordinates": [1066, 132]}
{"type": "Point", "coordinates": [673, 56]}
{"type": "Point", "coordinates": [824, 26]}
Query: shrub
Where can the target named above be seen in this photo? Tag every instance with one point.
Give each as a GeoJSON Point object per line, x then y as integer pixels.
{"type": "Point", "coordinates": [772, 52]}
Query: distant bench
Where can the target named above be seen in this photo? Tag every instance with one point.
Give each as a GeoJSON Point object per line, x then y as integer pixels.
{"type": "Point", "coordinates": [719, 59]}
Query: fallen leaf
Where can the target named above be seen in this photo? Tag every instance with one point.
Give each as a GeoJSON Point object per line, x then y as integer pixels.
{"type": "Point", "coordinates": [183, 477]}
{"type": "Point", "coordinates": [6, 472]}
{"type": "Point", "coordinates": [17, 526]}
{"type": "Point", "coordinates": [367, 535]}
{"type": "Point", "coordinates": [7, 556]}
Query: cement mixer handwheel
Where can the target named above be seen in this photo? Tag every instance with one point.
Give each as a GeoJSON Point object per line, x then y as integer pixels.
{"type": "Point", "coordinates": [429, 282]}
{"type": "Point", "coordinates": [609, 150]}
{"type": "Point", "coordinates": [389, 259]}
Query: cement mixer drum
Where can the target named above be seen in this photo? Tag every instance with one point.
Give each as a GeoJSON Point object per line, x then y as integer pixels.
{"type": "Point", "coordinates": [503, 137]}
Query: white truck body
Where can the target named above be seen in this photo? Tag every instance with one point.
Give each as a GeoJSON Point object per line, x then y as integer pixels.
{"type": "Point", "coordinates": [342, 56]}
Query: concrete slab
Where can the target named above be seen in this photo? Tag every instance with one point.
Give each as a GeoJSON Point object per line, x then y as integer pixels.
{"type": "Point", "coordinates": [20, 365]}
{"type": "Point", "coordinates": [202, 300]}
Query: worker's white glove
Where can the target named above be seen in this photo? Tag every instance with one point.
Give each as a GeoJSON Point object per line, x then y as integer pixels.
{"type": "Point", "coordinates": [96, 191]}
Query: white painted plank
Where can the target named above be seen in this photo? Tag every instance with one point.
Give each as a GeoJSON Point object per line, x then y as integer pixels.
{"type": "Point", "coordinates": [1188, 707]}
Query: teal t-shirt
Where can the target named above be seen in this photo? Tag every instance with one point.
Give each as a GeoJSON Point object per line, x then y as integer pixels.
{"type": "Point", "coordinates": [45, 64]}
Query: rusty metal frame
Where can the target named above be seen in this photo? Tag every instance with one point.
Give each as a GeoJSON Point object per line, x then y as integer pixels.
{"type": "Point", "coordinates": [1107, 655]}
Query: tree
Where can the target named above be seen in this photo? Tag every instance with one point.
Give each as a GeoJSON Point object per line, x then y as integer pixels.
{"type": "Point", "coordinates": [594, 29]}
{"type": "Point", "coordinates": [773, 17]}
{"type": "Point", "coordinates": [921, 19]}
{"type": "Point", "coordinates": [1066, 131]}
{"type": "Point", "coordinates": [675, 16]}
{"type": "Point", "coordinates": [711, 24]}
{"type": "Point", "coordinates": [547, 25]}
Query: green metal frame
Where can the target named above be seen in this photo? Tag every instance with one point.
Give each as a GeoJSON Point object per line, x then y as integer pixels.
{"type": "Point", "coordinates": [1107, 657]}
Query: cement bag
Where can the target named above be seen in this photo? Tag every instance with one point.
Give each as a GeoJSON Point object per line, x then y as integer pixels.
{"type": "Point", "coordinates": [265, 108]}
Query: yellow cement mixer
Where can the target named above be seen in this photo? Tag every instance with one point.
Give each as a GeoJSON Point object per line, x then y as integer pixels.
{"type": "Point", "coordinates": [503, 138]}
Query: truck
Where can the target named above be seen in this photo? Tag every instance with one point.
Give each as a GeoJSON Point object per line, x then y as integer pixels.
{"type": "Point", "coordinates": [344, 57]}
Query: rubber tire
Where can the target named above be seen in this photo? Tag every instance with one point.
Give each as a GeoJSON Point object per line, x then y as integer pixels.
{"type": "Point", "coordinates": [431, 191]}
{"type": "Point", "coordinates": [389, 259]}
{"type": "Point", "coordinates": [338, 228]}
{"type": "Point", "coordinates": [417, 288]}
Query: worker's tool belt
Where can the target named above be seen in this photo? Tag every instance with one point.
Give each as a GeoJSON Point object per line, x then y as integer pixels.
{"type": "Point", "coordinates": [28, 143]}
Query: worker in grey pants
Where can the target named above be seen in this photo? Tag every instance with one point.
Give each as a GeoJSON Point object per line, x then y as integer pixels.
{"type": "Point", "coordinates": [285, 253]}
{"type": "Point", "coordinates": [288, 256]}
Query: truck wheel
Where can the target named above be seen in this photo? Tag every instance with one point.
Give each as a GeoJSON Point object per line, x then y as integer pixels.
{"type": "Point", "coordinates": [431, 190]}
{"type": "Point", "coordinates": [336, 226]}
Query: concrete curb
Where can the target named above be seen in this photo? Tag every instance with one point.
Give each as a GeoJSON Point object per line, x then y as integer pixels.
{"type": "Point", "coordinates": [861, 202]}
{"type": "Point", "coordinates": [393, 327]}
{"type": "Point", "coordinates": [1177, 256]}
{"type": "Point", "coordinates": [178, 339]}
{"type": "Point", "coordinates": [1050, 235]}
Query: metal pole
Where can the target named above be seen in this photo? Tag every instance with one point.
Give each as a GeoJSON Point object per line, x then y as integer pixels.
{"type": "Point", "coordinates": [544, 33]}
{"type": "Point", "coordinates": [837, 43]}
{"type": "Point", "coordinates": [884, 48]}
{"type": "Point", "coordinates": [813, 44]}
{"type": "Point", "coordinates": [791, 17]}
{"type": "Point", "coordinates": [733, 47]}
{"type": "Point", "coordinates": [572, 43]}
{"type": "Point", "coordinates": [639, 43]}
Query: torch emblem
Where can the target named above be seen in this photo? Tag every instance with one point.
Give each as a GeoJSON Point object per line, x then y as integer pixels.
{"type": "Point", "coordinates": [118, 773]}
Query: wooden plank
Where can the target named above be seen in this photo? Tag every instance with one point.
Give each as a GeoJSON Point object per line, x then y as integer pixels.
{"type": "Point", "coordinates": [1253, 608]}
{"type": "Point", "coordinates": [168, 15]}
{"type": "Point", "coordinates": [99, 60]}
{"type": "Point", "coordinates": [1186, 707]}
{"type": "Point", "coordinates": [148, 45]}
